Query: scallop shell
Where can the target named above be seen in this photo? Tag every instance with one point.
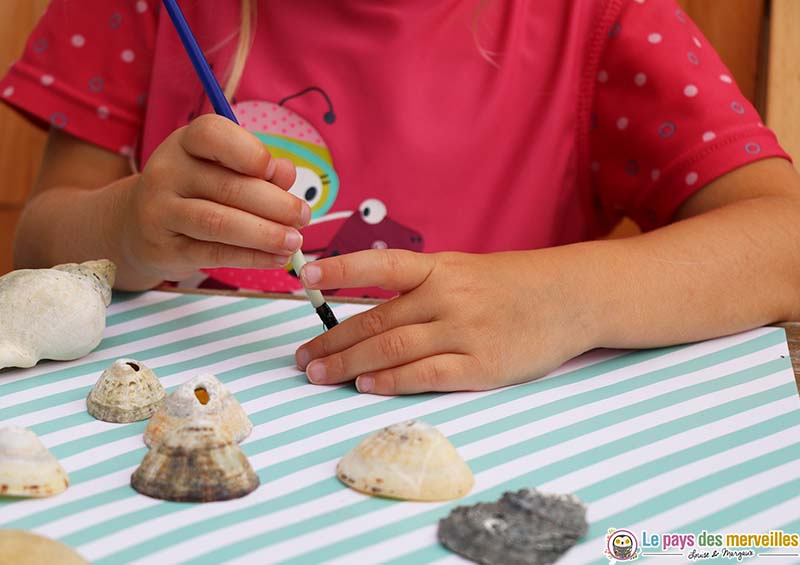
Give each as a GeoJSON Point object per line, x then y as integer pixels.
{"type": "Point", "coordinates": [17, 546]}
{"type": "Point", "coordinates": [203, 397]}
{"type": "Point", "coordinates": [410, 460]}
{"type": "Point", "coordinates": [27, 468]}
{"type": "Point", "coordinates": [195, 463]}
{"type": "Point", "coordinates": [525, 527]}
{"type": "Point", "coordinates": [57, 313]}
{"type": "Point", "coordinates": [127, 391]}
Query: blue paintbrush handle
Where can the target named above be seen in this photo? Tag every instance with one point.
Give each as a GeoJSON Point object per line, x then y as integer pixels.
{"type": "Point", "coordinates": [210, 84]}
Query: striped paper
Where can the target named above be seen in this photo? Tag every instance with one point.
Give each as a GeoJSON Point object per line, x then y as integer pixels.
{"type": "Point", "coordinates": [703, 436]}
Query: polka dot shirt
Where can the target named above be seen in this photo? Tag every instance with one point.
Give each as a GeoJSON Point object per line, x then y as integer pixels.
{"type": "Point", "coordinates": [667, 117]}
{"type": "Point", "coordinates": [588, 111]}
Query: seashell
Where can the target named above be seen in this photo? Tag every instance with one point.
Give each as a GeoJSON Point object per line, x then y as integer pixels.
{"type": "Point", "coordinates": [203, 397]}
{"type": "Point", "coordinates": [57, 313]}
{"type": "Point", "coordinates": [27, 468]}
{"type": "Point", "coordinates": [410, 460]}
{"type": "Point", "coordinates": [127, 391]}
{"type": "Point", "coordinates": [18, 546]}
{"type": "Point", "coordinates": [525, 527]}
{"type": "Point", "coordinates": [195, 463]}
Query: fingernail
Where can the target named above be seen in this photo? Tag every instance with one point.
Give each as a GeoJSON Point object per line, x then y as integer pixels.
{"type": "Point", "coordinates": [302, 357]}
{"type": "Point", "coordinates": [292, 241]}
{"type": "Point", "coordinates": [281, 261]}
{"type": "Point", "coordinates": [305, 215]}
{"type": "Point", "coordinates": [316, 372]}
{"type": "Point", "coordinates": [272, 166]}
{"type": "Point", "coordinates": [365, 383]}
{"type": "Point", "coordinates": [311, 274]}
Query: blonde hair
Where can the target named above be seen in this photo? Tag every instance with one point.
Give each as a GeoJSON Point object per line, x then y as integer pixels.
{"type": "Point", "coordinates": [243, 45]}
{"type": "Point", "coordinates": [247, 34]}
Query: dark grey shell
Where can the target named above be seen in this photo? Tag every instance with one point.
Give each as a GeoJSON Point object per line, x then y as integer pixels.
{"type": "Point", "coordinates": [525, 527]}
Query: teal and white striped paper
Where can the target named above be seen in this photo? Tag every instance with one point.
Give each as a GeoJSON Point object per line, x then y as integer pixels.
{"type": "Point", "coordinates": [704, 436]}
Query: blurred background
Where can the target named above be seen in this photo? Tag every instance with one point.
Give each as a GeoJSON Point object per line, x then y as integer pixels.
{"type": "Point", "coordinates": [759, 40]}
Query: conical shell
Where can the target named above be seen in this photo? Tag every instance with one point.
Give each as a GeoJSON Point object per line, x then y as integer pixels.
{"type": "Point", "coordinates": [203, 397]}
{"type": "Point", "coordinates": [17, 546]}
{"type": "Point", "coordinates": [195, 463]}
{"type": "Point", "coordinates": [57, 313]}
{"type": "Point", "coordinates": [127, 391]}
{"type": "Point", "coordinates": [27, 468]}
{"type": "Point", "coordinates": [411, 460]}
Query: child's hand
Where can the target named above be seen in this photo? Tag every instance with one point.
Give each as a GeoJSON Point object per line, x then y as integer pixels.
{"type": "Point", "coordinates": [202, 201]}
{"type": "Point", "coordinates": [462, 322]}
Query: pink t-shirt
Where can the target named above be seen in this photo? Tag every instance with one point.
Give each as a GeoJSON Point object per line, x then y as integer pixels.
{"type": "Point", "coordinates": [404, 134]}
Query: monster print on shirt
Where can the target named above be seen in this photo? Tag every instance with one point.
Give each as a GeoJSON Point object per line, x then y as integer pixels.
{"type": "Point", "coordinates": [288, 135]}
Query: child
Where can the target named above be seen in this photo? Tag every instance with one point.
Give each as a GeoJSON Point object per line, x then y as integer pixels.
{"type": "Point", "coordinates": [515, 131]}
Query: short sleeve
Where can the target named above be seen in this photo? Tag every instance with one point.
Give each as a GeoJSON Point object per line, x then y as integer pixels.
{"type": "Point", "coordinates": [86, 69]}
{"type": "Point", "coordinates": [667, 117]}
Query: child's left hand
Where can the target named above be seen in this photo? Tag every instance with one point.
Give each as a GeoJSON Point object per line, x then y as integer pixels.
{"type": "Point", "coordinates": [461, 322]}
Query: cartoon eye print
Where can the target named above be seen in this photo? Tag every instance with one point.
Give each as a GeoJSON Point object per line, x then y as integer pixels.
{"type": "Point", "coordinates": [307, 186]}
{"type": "Point", "coordinates": [372, 211]}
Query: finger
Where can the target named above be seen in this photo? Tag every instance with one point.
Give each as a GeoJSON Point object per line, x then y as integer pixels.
{"type": "Point", "coordinates": [391, 269]}
{"type": "Point", "coordinates": [441, 373]}
{"type": "Point", "coordinates": [252, 195]}
{"type": "Point", "coordinates": [220, 140]}
{"type": "Point", "coordinates": [373, 322]}
{"type": "Point", "coordinates": [208, 255]}
{"type": "Point", "coordinates": [389, 349]}
{"type": "Point", "coordinates": [212, 222]}
{"type": "Point", "coordinates": [285, 173]}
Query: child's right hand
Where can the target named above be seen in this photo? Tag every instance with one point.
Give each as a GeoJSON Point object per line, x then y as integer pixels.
{"type": "Point", "coordinates": [211, 195]}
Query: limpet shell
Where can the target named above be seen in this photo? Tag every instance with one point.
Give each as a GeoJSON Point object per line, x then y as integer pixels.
{"type": "Point", "coordinates": [195, 463]}
{"type": "Point", "coordinates": [27, 468]}
{"type": "Point", "coordinates": [411, 461]}
{"type": "Point", "coordinates": [18, 546]}
{"type": "Point", "coordinates": [525, 527]}
{"type": "Point", "coordinates": [203, 397]}
{"type": "Point", "coordinates": [127, 391]}
{"type": "Point", "coordinates": [57, 313]}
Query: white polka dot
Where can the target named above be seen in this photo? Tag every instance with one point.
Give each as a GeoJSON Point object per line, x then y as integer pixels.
{"type": "Point", "coordinates": [640, 79]}
{"type": "Point", "coordinates": [696, 41]}
{"type": "Point", "coordinates": [709, 136]}
{"type": "Point", "coordinates": [654, 38]}
{"type": "Point", "coordinates": [78, 40]}
{"type": "Point", "coordinates": [602, 76]}
{"type": "Point", "coordinates": [622, 123]}
{"type": "Point", "coordinates": [141, 6]}
{"type": "Point", "coordinates": [691, 178]}
{"type": "Point", "coordinates": [102, 112]}
{"type": "Point", "coordinates": [8, 91]}
{"type": "Point", "coordinates": [47, 80]}
{"type": "Point", "coordinates": [654, 174]}
{"type": "Point", "coordinates": [595, 166]}
{"type": "Point", "coordinates": [726, 78]}
{"type": "Point", "coordinates": [690, 91]}
{"type": "Point", "coordinates": [126, 150]}
{"type": "Point", "coordinates": [128, 56]}
{"type": "Point", "coordinates": [640, 1]}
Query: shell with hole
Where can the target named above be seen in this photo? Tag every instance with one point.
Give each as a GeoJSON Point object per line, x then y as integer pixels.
{"type": "Point", "coordinates": [195, 463]}
{"type": "Point", "coordinates": [18, 546]}
{"type": "Point", "coordinates": [57, 313]}
{"type": "Point", "coordinates": [410, 460]}
{"type": "Point", "coordinates": [202, 397]}
{"type": "Point", "coordinates": [27, 468]}
{"type": "Point", "coordinates": [127, 391]}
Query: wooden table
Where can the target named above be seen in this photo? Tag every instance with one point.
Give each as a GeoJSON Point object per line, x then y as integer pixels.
{"type": "Point", "coordinates": [793, 337]}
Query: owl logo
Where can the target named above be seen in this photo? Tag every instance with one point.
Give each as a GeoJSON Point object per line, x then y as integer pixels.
{"type": "Point", "coordinates": [621, 545]}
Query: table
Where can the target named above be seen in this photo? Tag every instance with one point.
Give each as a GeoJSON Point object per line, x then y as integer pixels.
{"type": "Point", "coordinates": [793, 339]}
{"type": "Point", "coordinates": [702, 436]}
